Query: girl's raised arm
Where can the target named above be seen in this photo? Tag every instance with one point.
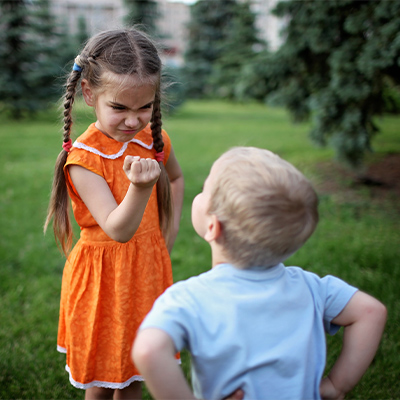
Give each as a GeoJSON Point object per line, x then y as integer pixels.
{"type": "Point", "coordinates": [119, 222]}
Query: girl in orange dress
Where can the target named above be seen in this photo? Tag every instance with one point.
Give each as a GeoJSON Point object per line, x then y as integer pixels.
{"type": "Point", "coordinates": [126, 189]}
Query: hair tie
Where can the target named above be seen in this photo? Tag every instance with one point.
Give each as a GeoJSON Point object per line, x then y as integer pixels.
{"type": "Point", "coordinates": [67, 146]}
{"type": "Point", "coordinates": [160, 156]}
{"type": "Point", "coordinates": [77, 66]}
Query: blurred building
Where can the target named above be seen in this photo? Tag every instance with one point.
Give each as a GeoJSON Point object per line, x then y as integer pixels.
{"type": "Point", "coordinates": [174, 17]}
{"type": "Point", "coordinates": [268, 25]}
{"type": "Point", "coordinates": [98, 14]}
{"type": "Point", "coordinates": [172, 25]}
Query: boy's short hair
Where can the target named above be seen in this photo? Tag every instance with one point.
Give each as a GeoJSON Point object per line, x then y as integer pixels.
{"type": "Point", "coordinates": [267, 208]}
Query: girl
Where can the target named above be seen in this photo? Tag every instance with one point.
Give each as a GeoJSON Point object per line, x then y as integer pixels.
{"type": "Point", "coordinates": [121, 263]}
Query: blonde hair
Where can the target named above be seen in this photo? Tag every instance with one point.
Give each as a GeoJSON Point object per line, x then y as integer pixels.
{"type": "Point", "coordinates": [125, 52]}
{"type": "Point", "coordinates": [267, 208]}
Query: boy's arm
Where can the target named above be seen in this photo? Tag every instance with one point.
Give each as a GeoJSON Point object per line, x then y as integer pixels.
{"type": "Point", "coordinates": [154, 355]}
{"type": "Point", "coordinates": [364, 320]}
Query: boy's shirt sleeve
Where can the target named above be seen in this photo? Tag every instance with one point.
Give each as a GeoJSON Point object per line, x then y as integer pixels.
{"type": "Point", "coordinates": [337, 294]}
{"type": "Point", "coordinates": [172, 312]}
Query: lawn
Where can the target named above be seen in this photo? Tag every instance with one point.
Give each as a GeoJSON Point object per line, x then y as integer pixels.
{"type": "Point", "coordinates": [357, 238]}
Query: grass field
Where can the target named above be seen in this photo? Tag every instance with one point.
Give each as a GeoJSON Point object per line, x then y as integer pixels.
{"type": "Point", "coordinates": [357, 239]}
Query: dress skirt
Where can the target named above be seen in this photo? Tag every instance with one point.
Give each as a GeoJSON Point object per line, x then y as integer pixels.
{"type": "Point", "coordinates": [103, 301]}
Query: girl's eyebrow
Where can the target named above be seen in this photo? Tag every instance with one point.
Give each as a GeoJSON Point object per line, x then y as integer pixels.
{"type": "Point", "coordinates": [114, 103]}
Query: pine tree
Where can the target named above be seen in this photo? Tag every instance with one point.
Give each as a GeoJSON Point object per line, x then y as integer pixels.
{"type": "Point", "coordinates": [239, 47]}
{"type": "Point", "coordinates": [144, 13]}
{"type": "Point", "coordinates": [14, 60]}
{"type": "Point", "coordinates": [208, 30]}
{"type": "Point", "coordinates": [82, 35]}
{"type": "Point", "coordinates": [31, 56]}
{"type": "Point", "coordinates": [44, 41]}
{"type": "Point", "coordinates": [337, 63]}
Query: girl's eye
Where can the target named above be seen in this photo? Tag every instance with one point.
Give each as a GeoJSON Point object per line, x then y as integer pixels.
{"type": "Point", "coordinates": [119, 108]}
{"type": "Point", "coordinates": [147, 106]}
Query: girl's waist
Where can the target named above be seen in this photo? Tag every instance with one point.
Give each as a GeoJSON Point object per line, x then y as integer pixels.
{"type": "Point", "coordinates": [96, 234]}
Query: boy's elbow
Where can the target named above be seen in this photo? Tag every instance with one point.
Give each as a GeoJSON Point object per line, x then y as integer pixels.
{"type": "Point", "coordinates": [145, 350]}
{"type": "Point", "coordinates": [376, 311]}
{"type": "Point", "coordinates": [142, 354]}
{"type": "Point", "coordinates": [381, 312]}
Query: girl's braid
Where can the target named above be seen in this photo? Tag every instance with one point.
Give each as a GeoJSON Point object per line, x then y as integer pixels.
{"type": "Point", "coordinates": [156, 125]}
{"type": "Point", "coordinates": [165, 212]}
{"type": "Point", "coordinates": [59, 204]}
{"type": "Point", "coordinates": [69, 101]}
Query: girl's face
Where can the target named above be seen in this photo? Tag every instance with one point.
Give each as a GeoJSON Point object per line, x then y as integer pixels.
{"type": "Point", "coordinates": [124, 113]}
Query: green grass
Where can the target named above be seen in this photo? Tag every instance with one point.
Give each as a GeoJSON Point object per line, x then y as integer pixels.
{"type": "Point", "coordinates": [357, 239]}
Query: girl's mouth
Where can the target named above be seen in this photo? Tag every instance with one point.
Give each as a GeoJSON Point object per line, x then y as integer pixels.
{"type": "Point", "coordinates": [129, 132]}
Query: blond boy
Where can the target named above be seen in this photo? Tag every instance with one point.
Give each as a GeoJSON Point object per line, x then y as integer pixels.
{"type": "Point", "coordinates": [251, 323]}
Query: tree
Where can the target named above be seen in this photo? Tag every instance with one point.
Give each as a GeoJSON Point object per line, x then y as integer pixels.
{"type": "Point", "coordinates": [13, 59]}
{"type": "Point", "coordinates": [208, 30]}
{"type": "Point", "coordinates": [31, 58]}
{"type": "Point", "coordinates": [143, 12]}
{"type": "Point", "coordinates": [239, 47]}
{"type": "Point", "coordinates": [340, 60]}
{"type": "Point", "coordinates": [82, 35]}
{"type": "Point", "coordinates": [44, 39]}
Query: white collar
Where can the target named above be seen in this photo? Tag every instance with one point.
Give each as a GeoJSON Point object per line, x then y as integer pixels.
{"type": "Point", "coordinates": [80, 145]}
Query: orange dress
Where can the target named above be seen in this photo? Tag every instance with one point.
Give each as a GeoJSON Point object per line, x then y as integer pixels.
{"type": "Point", "coordinates": [108, 287]}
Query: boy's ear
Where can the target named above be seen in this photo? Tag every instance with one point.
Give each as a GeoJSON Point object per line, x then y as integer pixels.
{"type": "Point", "coordinates": [214, 229]}
{"type": "Point", "coordinates": [87, 93]}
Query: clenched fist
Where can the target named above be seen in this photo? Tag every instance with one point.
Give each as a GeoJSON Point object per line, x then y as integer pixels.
{"type": "Point", "coordinates": [142, 172]}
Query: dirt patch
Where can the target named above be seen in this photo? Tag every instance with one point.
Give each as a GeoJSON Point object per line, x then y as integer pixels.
{"type": "Point", "coordinates": [380, 179]}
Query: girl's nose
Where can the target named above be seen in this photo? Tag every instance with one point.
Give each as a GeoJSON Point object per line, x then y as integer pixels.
{"type": "Point", "coordinates": [132, 121]}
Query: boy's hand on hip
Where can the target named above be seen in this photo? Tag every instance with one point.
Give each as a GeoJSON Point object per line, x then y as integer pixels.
{"type": "Point", "coordinates": [142, 172]}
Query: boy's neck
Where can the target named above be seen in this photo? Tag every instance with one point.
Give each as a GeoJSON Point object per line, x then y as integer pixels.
{"type": "Point", "coordinates": [217, 255]}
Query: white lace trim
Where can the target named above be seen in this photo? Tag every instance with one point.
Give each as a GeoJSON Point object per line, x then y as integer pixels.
{"type": "Point", "coordinates": [61, 349]}
{"type": "Point", "coordinates": [80, 145]}
{"type": "Point", "coordinates": [108, 385]}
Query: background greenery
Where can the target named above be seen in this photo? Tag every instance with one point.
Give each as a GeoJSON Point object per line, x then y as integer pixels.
{"type": "Point", "coordinates": [357, 238]}
{"type": "Point", "coordinates": [338, 63]}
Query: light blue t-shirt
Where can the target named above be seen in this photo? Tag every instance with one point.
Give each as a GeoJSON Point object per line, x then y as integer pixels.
{"type": "Point", "coordinates": [261, 330]}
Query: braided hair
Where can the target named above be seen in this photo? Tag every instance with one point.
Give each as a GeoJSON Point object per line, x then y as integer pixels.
{"type": "Point", "coordinates": [127, 52]}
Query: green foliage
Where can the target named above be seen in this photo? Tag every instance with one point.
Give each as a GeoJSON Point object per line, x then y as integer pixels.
{"type": "Point", "coordinates": [143, 12]}
{"type": "Point", "coordinates": [32, 54]}
{"type": "Point", "coordinates": [13, 61]}
{"type": "Point", "coordinates": [208, 31]}
{"type": "Point", "coordinates": [83, 35]}
{"type": "Point", "coordinates": [357, 238]}
{"type": "Point", "coordinates": [222, 41]}
{"type": "Point", "coordinates": [236, 51]}
{"type": "Point", "coordinates": [339, 63]}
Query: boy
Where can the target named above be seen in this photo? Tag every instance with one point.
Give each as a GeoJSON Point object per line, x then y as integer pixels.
{"type": "Point", "coordinates": [251, 323]}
